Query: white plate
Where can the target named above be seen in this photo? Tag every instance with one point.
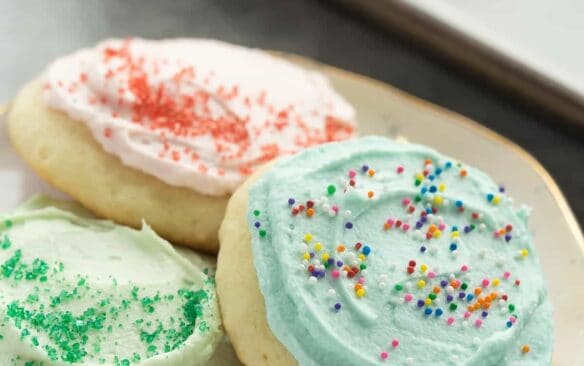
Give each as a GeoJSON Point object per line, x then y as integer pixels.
{"type": "Point", "coordinates": [384, 110]}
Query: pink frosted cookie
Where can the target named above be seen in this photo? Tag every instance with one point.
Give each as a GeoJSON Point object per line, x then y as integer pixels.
{"type": "Point", "coordinates": [166, 130]}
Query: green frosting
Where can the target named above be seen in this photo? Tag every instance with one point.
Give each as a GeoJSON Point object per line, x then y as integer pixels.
{"type": "Point", "coordinates": [76, 290]}
{"type": "Point", "coordinates": [371, 252]}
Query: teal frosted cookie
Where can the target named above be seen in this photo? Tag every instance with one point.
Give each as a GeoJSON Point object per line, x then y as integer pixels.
{"type": "Point", "coordinates": [371, 252]}
{"type": "Point", "coordinates": [76, 290]}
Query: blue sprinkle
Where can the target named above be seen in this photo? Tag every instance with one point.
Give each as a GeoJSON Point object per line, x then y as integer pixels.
{"type": "Point", "coordinates": [257, 224]}
{"type": "Point", "coordinates": [455, 228]}
{"type": "Point", "coordinates": [458, 203]}
{"type": "Point", "coordinates": [509, 324]}
{"type": "Point", "coordinates": [428, 311]}
{"type": "Point", "coordinates": [448, 165]}
{"type": "Point", "coordinates": [424, 190]}
{"type": "Point", "coordinates": [366, 250]}
{"type": "Point", "coordinates": [433, 189]}
{"type": "Point", "coordinates": [429, 210]}
{"type": "Point", "coordinates": [422, 249]}
{"type": "Point", "coordinates": [453, 247]}
{"type": "Point", "coordinates": [420, 303]}
{"type": "Point", "coordinates": [438, 171]}
{"type": "Point", "coordinates": [349, 225]}
{"type": "Point", "coordinates": [338, 306]}
{"type": "Point", "coordinates": [484, 314]}
{"type": "Point", "coordinates": [490, 197]}
{"type": "Point", "coordinates": [502, 189]}
{"type": "Point", "coordinates": [431, 177]}
{"type": "Point", "coordinates": [439, 312]}
{"type": "Point", "coordinates": [469, 297]}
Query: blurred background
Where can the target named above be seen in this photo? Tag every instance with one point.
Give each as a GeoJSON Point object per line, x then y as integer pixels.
{"type": "Point", "coordinates": [447, 56]}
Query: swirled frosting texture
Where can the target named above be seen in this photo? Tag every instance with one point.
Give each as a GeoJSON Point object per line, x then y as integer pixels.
{"type": "Point", "coordinates": [196, 113]}
{"type": "Point", "coordinates": [75, 290]}
{"type": "Point", "coordinates": [371, 252]}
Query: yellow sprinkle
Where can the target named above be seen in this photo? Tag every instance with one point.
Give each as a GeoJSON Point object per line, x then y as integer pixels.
{"type": "Point", "coordinates": [496, 282]}
{"type": "Point", "coordinates": [442, 187]}
{"type": "Point", "coordinates": [455, 234]}
{"type": "Point", "coordinates": [421, 283]}
{"type": "Point", "coordinates": [496, 200]}
{"type": "Point", "coordinates": [306, 256]}
{"type": "Point", "coordinates": [438, 199]}
{"type": "Point", "coordinates": [437, 233]}
{"type": "Point", "coordinates": [428, 301]}
{"type": "Point", "coordinates": [325, 257]}
{"type": "Point", "coordinates": [361, 256]}
{"type": "Point", "coordinates": [360, 292]}
{"type": "Point", "coordinates": [419, 176]}
{"type": "Point", "coordinates": [318, 246]}
{"type": "Point", "coordinates": [308, 237]}
{"type": "Point", "coordinates": [524, 252]}
{"type": "Point", "coordinates": [423, 268]}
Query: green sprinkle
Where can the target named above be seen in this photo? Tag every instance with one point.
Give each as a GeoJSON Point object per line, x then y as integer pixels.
{"type": "Point", "coordinates": [399, 287]}
{"type": "Point", "coordinates": [432, 296]}
{"type": "Point", "coordinates": [263, 233]}
{"type": "Point", "coordinates": [256, 213]}
{"type": "Point", "coordinates": [363, 266]}
{"type": "Point", "coordinates": [418, 198]}
{"type": "Point", "coordinates": [331, 189]}
{"type": "Point", "coordinates": [5, 243]}
{"type": "Point", "coordinates": [453, 306]}
{"type": "Point", "coordinates": [464, 286]}
{"type": "Point", "coordinates": [511, 308]}
{"type": "Point", "coordinates": [8, 223]}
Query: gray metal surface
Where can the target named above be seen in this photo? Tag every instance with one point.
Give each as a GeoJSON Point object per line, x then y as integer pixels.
{"type": "Point", "coordinates": [33, 32]}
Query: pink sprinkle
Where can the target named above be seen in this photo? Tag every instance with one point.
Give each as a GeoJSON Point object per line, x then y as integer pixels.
{"type": "Point", "coordinates": [431, 275]}
{"type": "Point", "coordinates": [408, 297]}
{"type": "Point", "coordinates": [395, 343]}
{"type": "Point", "coordinates": [335, 273]}
{"type": "Point", "coordinates": [464, 268]}
{"type": "Point", "coordinates": [506, 275]}
{"type": "Point", "coordinates": [406, 201]}
{"type": "Point", "coordinates": [384, 355]}
{"type": "Point", "coordinates": [335, 208]}
{"type": "Point", "coordinates": [352, 173]}
{"type": "Point", "coordinates": [400, 169]}
{"type": "Point", "coordinates": [450, 321]}
{"type": "Point", "coordinates": [390, 222]}
{"type": "Point", "coordinates": [486, 282]}
{"type": "Point", "coordinates": [496, 234]}
{"type": "Point", "coordinates": [513, 319]}
{"type": "Point", "coordinates": [361, 280]}
{"type": "Point", "coordinates": [406, 227]}
{"type": "Point", "coordinates": [467, 315]}
{"type": "Point", "coordinates": [478, 323]}
{"type": "Point", "coordinates": [441, 226]}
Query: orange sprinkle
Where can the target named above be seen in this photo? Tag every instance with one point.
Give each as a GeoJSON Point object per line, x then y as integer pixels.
{"type": "Point", "coordinates": [371, 172]}
{"type": "Point", "coordinates": [525, 349]}
{"type": "Point", "coordinates": [494, 295]}
{"type": "Point", "coordinates": [463, 173]}
{"type": "Point", "coordinates": [477, 291]}
{"type": "Point", "coordinates": [432, 228]}
{"type": "Point", "coordinates": [486, 306]}
{"type": "Point", "coordinates": [340, 248]}
{"type": "Point", "coordinates": [386, 226]}
{"type": "Point", "coordinates": [310, 212]}
{"type": "Point", "coordinates": [370, 194]}
{"type": "Point", "coordinates": [470, 308]}
{"type": "Point", "coordinates": [358, 286]}
{"type": "Point", "coordinates": [427, 162]}
{"type": "Point", "coordinates": [107, 132]}
{"type": "Point", "coordinates": [436, 290]}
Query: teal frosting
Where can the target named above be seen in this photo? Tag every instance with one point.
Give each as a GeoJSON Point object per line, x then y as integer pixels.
{"type": "Point", "coordinates": [361, 306]}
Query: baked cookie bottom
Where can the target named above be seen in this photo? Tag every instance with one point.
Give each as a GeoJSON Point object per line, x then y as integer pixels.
{"type": "Point", "coordinates": [64, 153]}
{"type": "Point", "coordinates": [240, 300]}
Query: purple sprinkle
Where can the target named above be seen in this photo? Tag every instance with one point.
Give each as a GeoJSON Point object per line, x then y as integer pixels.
{"type": "Point", "coordinates": [311, 254]}
{"type": "Point", "coordinates": [331, 261]}
{"type": "Point", "coordinates": [257, 224]}
{"type": "Point", "coordinates": [461, 295]}
{"type": "Point", "coordinates": [291, 201]}
{"type": "Point", "coordinates": [420, 303]}
{"type": "Point", "coordinates": [365, 168]}
{"type": "Point", "coordinates": [443, 283]}
{"type": "Point", "coordinates": [449, 298]}
{"type": "Point", "coordinates": [339, 263]}
{"type": "Point", "coordinates": [419, 224]}
{"type": "Point", "coordinates": [467, 229]}
{"type": "Point", "coordinates": [507, 237]}
{"type": "Point", "coordinates": [349, 225]}
{"type": "Point", "coordinates": [423, 219]}
{"type": "Point", "coordinates": [484, 314]}
{"type": "Point", "coordinates": [502, 188]}
{"type": "Point", "coordinates": [338, 306]}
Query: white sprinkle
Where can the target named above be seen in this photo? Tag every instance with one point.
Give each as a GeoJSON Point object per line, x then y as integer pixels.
{"type": "Point", "coordinates": [312, 280]}
{"type": "Point", "coordinates": [449, 290]}
{"type": "Point", "coordinates": [326, 206]}
{"type": "Point", "coordinates": [382, 285]}
{"type": "Point", "coordinates": [331, 292]}
{"type": "Point", "coordinates": [410, 361]}
{"type": "Point", "coordinates": [347, 213]}
{"type": "Point", "coordinates": [476, 341]}
{"type": "Point", "coordinates": [383, 277]}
